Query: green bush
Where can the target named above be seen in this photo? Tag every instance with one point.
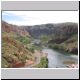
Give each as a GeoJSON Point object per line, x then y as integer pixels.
{"type": "Point", "coordinates": [44, 39]}
{"type": "Point", "coordinates": [57, 47]}
{"type": "Point", "coordinates": [24, 40]}
{"type": "Point", "coordinates": [4, 64]}
{"type": "Point", "coordinates": [43, 63]}
{"type": "Point", "coordinates": [32, 47]}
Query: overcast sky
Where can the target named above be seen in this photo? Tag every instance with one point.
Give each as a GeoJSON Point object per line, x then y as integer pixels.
{"type": "Point", "coordinates": [39, 17]}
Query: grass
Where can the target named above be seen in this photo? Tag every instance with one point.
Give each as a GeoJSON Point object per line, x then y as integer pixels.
{"type": "Point", "coordinates": [43, 63]}
{"type": "Point", "coordinates": [4, 63]}
{"type": "Point", "coordinates": [24, 40]}
{"type": "Point", "coordinates": [13, 51]}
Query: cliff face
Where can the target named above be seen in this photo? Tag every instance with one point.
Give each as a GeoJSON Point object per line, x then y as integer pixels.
{"type": "Point", "coordinates": [62, 29]}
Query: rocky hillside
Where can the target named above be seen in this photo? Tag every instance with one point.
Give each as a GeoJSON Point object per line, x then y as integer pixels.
{"type": "Point", "coordinates": [17, 46]}
{"type": "Point", "coordinates": [69, 45]}
{"type": "Point", "coordinates": [62, 36]}
{"type": "Point", "coordinates": [9, 28]}
{"type": "Point", "coordinates": [14, 46]}
{"type": "Point", "coordinates": [61, 29]}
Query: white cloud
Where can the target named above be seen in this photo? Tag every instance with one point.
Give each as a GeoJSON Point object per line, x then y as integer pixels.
{"type": "Point", "coordinates": [5, 13]}
{"type": "Point", "coordinates": [43, 17]}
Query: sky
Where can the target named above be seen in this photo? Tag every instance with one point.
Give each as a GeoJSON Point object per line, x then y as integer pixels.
{"type": "Point", "coordinates": [39, 17]}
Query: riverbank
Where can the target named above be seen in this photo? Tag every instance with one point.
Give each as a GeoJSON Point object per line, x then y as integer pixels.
{"type": "Point", "coordinates": [43, 63]}
{"type": "Point", "coordinates": [62, 49]}
{"type": "Point", "coordinates": [41, 60]}
{"type": "Point", "coordinates": [58, 60]}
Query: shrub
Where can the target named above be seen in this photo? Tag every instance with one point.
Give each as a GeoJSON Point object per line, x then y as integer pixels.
{"type": "Point", "coordinates": [24, 40]}
{"type": "Point", "coordinates": [4, 64]}
{"type": "Point", "coordinates": [43, 63]}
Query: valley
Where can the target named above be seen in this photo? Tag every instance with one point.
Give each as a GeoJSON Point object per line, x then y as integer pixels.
{"type": "Point", "coordinates": [39, 46]}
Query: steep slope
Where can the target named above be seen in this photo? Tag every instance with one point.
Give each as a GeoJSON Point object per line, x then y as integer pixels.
{"type": "Point", "coordinates": [17, 46]}
{"type": "Point", "coordinates": [61, 29]}
{"type": "Point", "coordinates": [14, 52]}
{"type": "Point", "coordinates": [61, 36]}
{"type": "Point", "coordinates": [69, 45]}
{"type": "Point", "coordinates": [9, 28]}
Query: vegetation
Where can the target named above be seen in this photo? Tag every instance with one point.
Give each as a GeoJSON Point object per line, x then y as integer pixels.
{"type": "Point", "coordinates": [14, 51]}
{"type": "Point", "coordinates": [70, 45]}
{"type": "Point", "coordinates": [31, 47]}
{"type": "Point", "coordinates": [43, 63]}
{"type": "Point", "coordinates": [17, 46]}
{"type": "Point", "coordinates": [57, 47]}
{"type": "Point", "coordinates": [24, 40]}
{"type": "Point", "coordinates": [5, 64]}
{"type": "Point", "coordinates": [27, 43]}
{"type": "Point", "coordinates": [44, 40]}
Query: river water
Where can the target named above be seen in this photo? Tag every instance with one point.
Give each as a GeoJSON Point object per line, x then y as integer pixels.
{"type": "Point", "coordinates": [57, 59]}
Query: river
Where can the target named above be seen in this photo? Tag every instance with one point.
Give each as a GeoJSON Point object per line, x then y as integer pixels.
{"type": "Point", "coordinates": [57, 59]}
